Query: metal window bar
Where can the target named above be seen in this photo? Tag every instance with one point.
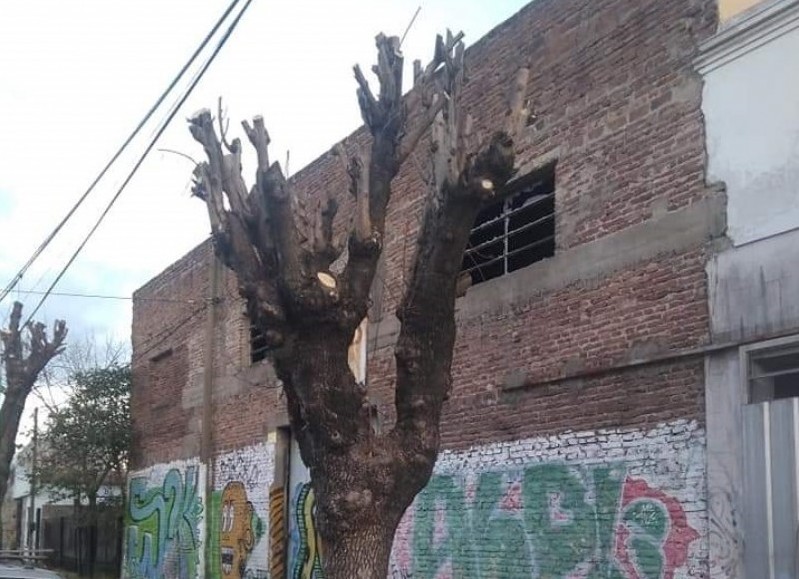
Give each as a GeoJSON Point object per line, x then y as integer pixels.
{"type": "Point", "coordinates": [482, 257]}
{"type": "Point", "coordinates": [258, 349]}
{"type": "Point", "coordinates": [511, 254]}
{"type": "Point", "coordinates": [506, 214]}
{"type": "Point", "coordinates": [507, 233]}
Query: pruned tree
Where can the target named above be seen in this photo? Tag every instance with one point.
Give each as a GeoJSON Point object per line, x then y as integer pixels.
{"type": "Point", "coordinates": [363, 478]}
{"type": "Point", "coordinates": [26, 352]}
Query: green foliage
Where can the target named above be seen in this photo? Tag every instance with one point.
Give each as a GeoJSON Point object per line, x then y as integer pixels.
{"type": "Point", "coordinates": [88, 438]}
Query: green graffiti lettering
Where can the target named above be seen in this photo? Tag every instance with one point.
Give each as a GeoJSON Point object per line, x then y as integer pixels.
{"type": "Point", "coordinates": [163, 527]}
{"type": "Point", "coordinates": [546, 521]}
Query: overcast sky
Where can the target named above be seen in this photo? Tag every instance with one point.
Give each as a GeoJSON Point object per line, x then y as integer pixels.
{"type": "Point", "coordinates": [76, 77]}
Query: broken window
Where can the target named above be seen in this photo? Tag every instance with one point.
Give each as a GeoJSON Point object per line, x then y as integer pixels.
{"type": "Point", "coordinates": [515, 231]}
{"type": "Point", "coordinates": [773, 373]}
{"type": "Point", "coordinates": [258, 345]}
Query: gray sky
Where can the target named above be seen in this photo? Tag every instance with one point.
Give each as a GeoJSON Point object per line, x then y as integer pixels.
{"type": "Point", "coordinates": [76, 77]}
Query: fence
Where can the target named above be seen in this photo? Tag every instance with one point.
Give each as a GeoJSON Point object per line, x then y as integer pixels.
{"type": "Point", "coordinates": [82, 547]}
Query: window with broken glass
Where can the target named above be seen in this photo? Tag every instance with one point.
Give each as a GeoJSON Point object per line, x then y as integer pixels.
{"type": "Point", "coordinates": [773, 373]}
{"type": "Point", "coordinates": [515, 231]}
{"type": "Point", "coordinates": [258, 345]}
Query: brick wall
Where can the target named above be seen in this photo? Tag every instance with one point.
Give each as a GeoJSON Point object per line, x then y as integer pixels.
{"type": "Point", "coordinates": [598, 340]}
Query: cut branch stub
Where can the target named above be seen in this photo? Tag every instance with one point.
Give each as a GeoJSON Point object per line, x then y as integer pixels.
{"type": "Point", "coordinates": [465, 176]}
{"type": "Point", "coordinates": [517, 113]}
{"type": "Point", "coordinates": [323, 245]}
{"type": "Point", "coordinates": [244, 237]}
{"type": "Point", "coordinates": [259, 137]}
{"type": "Point", "coordinates": [371, 175]}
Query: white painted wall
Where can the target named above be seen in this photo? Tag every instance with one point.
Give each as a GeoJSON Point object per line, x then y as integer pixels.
{"type": "Point", "coordinates": [751, 108]}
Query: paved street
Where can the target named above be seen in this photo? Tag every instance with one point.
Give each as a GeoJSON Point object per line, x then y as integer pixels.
{"type": "Point", "coordinates": [14, 571]}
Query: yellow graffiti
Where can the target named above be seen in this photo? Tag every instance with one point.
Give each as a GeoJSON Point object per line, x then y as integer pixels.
{"type": "Point", "coordinates": [236, 537]}
{"type": "Point", "coordinates": [277, 532]}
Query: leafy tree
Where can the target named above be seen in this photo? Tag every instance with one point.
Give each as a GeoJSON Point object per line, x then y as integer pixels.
{"type": "Point", "coordinates": [286, 259]}
{"type": "Point", "coordinates": [26, 352]}
{"type": "Point", "coordinates": [87, 439]}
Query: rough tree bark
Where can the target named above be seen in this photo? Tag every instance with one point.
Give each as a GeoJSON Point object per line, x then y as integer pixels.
{"type": "Point", "coordinates": [23, 360]}
{"type": "Point", "coordinates": [363, 479]}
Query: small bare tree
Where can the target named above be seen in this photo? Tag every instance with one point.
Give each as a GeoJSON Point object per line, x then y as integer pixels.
{"type": "Point", "coordinates": [363, 479]}
{"type": "Point", "coordinates": [23, 360]}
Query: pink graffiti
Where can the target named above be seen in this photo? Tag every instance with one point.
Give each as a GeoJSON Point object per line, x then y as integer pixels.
{"type": "Point", "coordinates": [401, 552]}
{"type": "Point", "coordinates": [679, 537]}
{"type": "Point", "coordinates": [470, 491]}
{"type": "Point", "coordinates": [445, 572]}
{"type": "Point", "coordinates": [439, 525]}
{"type": "Point", "coordinates": [512, 501]}
{"type": "Point", "coordinates": [556, 514]}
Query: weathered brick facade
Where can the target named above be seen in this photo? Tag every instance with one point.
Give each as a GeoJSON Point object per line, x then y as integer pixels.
{"type": "Point", "coordinates": [578, 381]}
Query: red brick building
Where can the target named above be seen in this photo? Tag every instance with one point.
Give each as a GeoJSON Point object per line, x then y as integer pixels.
{"type": "Point", "coordinates": [574, 439]}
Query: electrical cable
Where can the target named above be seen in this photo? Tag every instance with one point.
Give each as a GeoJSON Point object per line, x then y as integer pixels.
{"type": "Point", "coordinates": [138, 164]}
{"type": "Point", "coordinates": [167, 333]}
{"type": "Point", "coordinates": [112, 297]}
{"type": "Point", "coordinates": [16, 279]}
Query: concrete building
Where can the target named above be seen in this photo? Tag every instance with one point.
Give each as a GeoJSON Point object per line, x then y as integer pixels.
{"type": "Point", "coordinates": [624, 398]}
{"type": "Point", "coordinates": [751, 108]}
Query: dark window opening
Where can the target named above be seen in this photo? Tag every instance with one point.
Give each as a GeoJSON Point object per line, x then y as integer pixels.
{"type": "Point", "coordinates": [774, 374]}
{"type": "Point", "coordinates": [258, 345]}
{"type": "Point", "coordinates": [515, 231]}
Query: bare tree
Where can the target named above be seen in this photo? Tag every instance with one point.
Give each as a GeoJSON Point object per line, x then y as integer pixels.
{"type": "Point", "coordinates": [85, 354]}
{"type": "Point", "coordinates": [23, 360]}
{"type": "Point", "coordinates": [363, 478]}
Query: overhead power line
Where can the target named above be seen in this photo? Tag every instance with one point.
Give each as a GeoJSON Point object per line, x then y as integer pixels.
{"type": "Point", "coordinates": [112, 297]}
{"type": "Point", "coordinates": [16, 279]}
{"type": "Point", "coordinates": [164, 125]}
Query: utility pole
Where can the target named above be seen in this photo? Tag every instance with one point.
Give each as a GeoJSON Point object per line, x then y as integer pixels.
{"type": "Point", "coordinates": [206, 448]}
{"type": "Point", "coordinates": [32, 530]}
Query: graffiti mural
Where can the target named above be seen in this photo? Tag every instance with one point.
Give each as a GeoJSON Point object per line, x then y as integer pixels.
{"type": "Point", "coordinates": [523, 509]}
{"type": "Point", "coordinates": [162, 527]}
{"type": "Point", "coordinates": [237, 531]}
{"type": "Point", "coordinates": [304, 540]}
{"type": "Point", "coordinates": [239, 514]}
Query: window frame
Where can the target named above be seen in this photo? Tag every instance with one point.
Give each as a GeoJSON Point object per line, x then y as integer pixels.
{"type": "Point", "coordinates": [531, 180]}
{"type": "Point", "coordinates": [749, 353]}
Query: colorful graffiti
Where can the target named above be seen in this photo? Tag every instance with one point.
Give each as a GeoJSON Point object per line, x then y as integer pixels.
{"type": "Point", "coordinates": [277, 532]}
{"type": "Point", "coordinates": [306, 556]}
{"type": "Point", "coordinates": [547, 520]}
{"type": "Point", "coordinates": [557, 507]}
{"type": "Point", "coordinates": [239, 511]}
{"type": "Point", "coordinates": [237, 532]}
{"type": "Point", "coordinates": [163, 526]}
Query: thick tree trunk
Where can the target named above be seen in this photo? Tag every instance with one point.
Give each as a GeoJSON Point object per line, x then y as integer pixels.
{"type": "Point", "coordinates": [10, 416]}
{"type": "Point", "coordinates": [361, 554]}
{"type": "Point", "coordinates": [363, 478]}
